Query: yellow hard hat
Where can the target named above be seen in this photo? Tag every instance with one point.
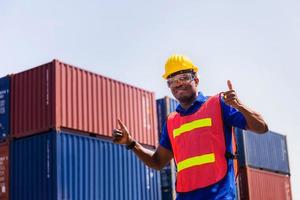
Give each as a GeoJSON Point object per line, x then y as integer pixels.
{"type": "Point", "coordinates": [176, 63]}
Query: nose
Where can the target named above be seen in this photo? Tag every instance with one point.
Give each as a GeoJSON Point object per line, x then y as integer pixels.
{"type": "Point", "coordinates": [177, 84]}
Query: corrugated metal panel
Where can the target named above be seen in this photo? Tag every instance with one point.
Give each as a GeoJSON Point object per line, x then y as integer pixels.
{"type": "Point", "coordinates": [33, 168]}
{"type": "Point", "coordinates": [32, 101]}
{"type": "Point", "coordinates": [4, 171]}
{"type": "Point", "coordinates": [253, 152]}
{"type": "Point", "coordinates": [68, 166]}
{"type": "Point", "coordinates": [166, 183]}
{"type": "Point", "coordinates": [172, 105]}
{"type": "Point", "coordinates": [58, 95]}
{"type": "Point", "coordinates": [259, 184]}
{"type": "Point", "coordinates": [4, 106]}
{"type": "Point", "coordinates": [161, 114]}
{"type": "Point", "coordinates": [164, 107]}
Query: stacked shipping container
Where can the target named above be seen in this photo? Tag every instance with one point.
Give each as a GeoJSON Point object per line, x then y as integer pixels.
{"type": "Point", "coordinates": [60, 96]}
{"type": "Point", "coordinates": [54, 107]}
{"type": "Point", "coordinates": [61, 165]}
{"type": "Point", "coordinates": [262, 184]}
{"type": "Point", "coordinates": [165, 106]}
{"type": "Point", "coordinates": [263, 166]}
{"type": "Point", "coordinates": [4, 135]}
{"type": "Point", "coordinates": [253, 152]}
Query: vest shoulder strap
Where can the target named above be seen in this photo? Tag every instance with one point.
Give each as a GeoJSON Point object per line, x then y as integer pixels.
{"type": "Point", "coordinates": [172, 115]}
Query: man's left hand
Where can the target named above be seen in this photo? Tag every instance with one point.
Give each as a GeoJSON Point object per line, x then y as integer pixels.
{"type": "Point", "coordinates": [230, 97]}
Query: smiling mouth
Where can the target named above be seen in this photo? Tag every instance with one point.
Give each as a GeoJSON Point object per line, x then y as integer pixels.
{"type": "Point", "coordinates": [180, 88]}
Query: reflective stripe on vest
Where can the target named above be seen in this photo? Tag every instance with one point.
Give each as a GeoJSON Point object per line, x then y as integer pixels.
{"type": "Point", "coordinates": [191, 125]}
{"type": "Point", "coordinates": [197, 160]}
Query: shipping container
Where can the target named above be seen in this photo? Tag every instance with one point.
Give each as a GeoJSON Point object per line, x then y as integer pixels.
{"type": "Point", "coordinates": [264, 151]}
{"type": "Point", "coordinates": [166, 182]}
{"type": "Point", "coordinates": [61, 165]}
{"type": "Point", "coordinates": [164, 107]}
{"type": "Point", "coordinates": [237, 193]}
{"type": "Point", "coordinates": [4, 170]}
{"type": "Point", "coordinates": [58, 96]}
{"type": "Point", "coordinates": [4, 107]}
{"type": "Point", "coordinates": [255, 184]}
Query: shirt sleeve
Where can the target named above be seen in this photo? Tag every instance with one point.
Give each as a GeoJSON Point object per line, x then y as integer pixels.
{"type": "Point", "coordinates": [233, 117]}
{"type": "Point", "coordinates": [165, 140]}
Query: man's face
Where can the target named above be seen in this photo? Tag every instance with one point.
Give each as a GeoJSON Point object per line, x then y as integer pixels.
{"type": "Point", "coordinates": [183, 86]}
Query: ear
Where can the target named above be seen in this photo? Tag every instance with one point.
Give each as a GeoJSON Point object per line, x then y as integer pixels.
{"type": "Point", "coordinates": [196, 81]}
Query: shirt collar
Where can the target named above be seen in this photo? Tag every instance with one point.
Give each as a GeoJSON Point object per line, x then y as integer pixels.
{"type": "Point", "coordinates": [194, 107]}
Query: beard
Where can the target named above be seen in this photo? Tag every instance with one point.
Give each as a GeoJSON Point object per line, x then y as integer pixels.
{"type": "Point", "coordinates": [186, 99]}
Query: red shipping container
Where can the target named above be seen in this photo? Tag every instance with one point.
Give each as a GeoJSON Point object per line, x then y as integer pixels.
{"type": "Point", "coordinates": [60, 96]}
{"type": "Point", "coordinates": [255, 184]}
{"type": "Point", "coordinates": [4, 171]}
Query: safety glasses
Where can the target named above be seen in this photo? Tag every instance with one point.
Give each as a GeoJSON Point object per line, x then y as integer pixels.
{"type": "Point", "coordinates": [180, 78]}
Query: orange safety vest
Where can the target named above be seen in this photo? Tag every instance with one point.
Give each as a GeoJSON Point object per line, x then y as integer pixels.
{"type": "Point", "coordinates": [198, 145]}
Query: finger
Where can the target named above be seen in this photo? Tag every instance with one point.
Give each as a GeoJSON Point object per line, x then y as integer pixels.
{"type": "Point", "coordinates": [116, 140]}
{"type": "Point", "coordinates": [116, 137]}
{"type": "Point", "coordinates": [223, 95]}
{"type": "Point", "coordinates": [117, 134]}
{"type": "Point", "coordinates": [229, 85]}
{"type": "Point", "coordinates": [117, 130]}
{"type": "Point", "coordinates": [229, 92]}
{"type": "Point", "coordinates": [229, 95]}
{"type": "Point", "coordinates": [121, 124]}
{"type": "Point", "coordinates": [228, 99]}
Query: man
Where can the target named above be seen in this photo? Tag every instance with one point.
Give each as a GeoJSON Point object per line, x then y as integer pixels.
{"type": "Point", "coordinates": [198, 135]}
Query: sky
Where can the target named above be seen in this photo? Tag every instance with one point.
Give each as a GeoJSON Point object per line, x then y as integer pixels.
{"type": "Point", "coordinates": [255, 44]}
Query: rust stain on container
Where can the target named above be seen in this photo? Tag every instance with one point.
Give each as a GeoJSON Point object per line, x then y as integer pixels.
{"type": "Point", "coordinates": [4, 171]}
{"type": "Point", "coordinates": [60, 96]}
{"type": "Point", "coordinates": [257, 184]}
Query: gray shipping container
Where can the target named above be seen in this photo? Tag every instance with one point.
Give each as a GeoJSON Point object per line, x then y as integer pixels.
{"type": "Point", "coordinates": [65, 166]}
{"type": "Point", "coordinates": [263, 151]}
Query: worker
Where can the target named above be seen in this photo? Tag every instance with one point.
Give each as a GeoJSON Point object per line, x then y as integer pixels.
{"type": "Point", "coordinates": [198, 135]}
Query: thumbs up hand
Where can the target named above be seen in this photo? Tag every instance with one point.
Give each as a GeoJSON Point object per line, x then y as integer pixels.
{"type": "Point", "coordinates": [121, 135]}
{"type": "Point", "coordinates": [230, 97]}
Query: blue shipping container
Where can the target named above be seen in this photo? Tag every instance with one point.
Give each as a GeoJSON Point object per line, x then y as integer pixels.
{"type": "Point", "coordinates": [164, 107]}
{"type": "Point", "coordinates": [264, 151]}
{"type": "Point", "coordinates": [4, 106]}
{"type": "Point", "coordinates": [60, 165]}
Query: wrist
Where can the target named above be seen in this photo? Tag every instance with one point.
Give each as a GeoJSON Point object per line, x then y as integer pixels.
{"type": "Point", "coordinates": [239, 106]}
{"type": "Point", "coordinates": [129, 141]}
